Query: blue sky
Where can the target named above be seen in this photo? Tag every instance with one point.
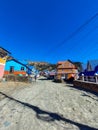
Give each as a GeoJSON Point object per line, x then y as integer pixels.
{"type": "Point", "coordinates": [33, 29]}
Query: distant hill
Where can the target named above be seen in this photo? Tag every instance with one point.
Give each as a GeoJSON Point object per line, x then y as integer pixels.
{"type": "Point", "coordinates": [43, 65]}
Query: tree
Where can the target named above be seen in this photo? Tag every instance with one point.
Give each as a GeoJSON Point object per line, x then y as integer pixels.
{"type": "Point", "coordinates": [79, 66]}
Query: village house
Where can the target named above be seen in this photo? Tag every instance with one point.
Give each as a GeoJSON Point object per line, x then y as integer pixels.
{"type": "Point", "coordinates": [66, 70]}
{"type": "Point", "coordinates": [4, 55]}
{"type": "Point", "coordinates": [91, 69]}
{"type": "Point", "coordinates": [16, 67]}
{"type": "Point", "coordinates": [12, 66]}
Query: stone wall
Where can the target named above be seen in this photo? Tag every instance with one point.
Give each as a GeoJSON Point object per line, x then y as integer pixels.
{"type": "Point", "coordinates": [87, 85]}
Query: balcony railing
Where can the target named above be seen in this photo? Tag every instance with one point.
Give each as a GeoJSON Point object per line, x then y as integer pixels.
{"type": "Point", "coordinates": [89, 78]}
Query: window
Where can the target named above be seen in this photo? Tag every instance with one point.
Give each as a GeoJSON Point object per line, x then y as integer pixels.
{"type": "Point", "coordinates": [11, 69]}
{"type": "Point", "coordinates": [22, 68]}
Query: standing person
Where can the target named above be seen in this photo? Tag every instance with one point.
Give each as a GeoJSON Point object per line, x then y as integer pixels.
{"type": "Point", "coordinates": [31, 78]}
{"type": "Point", "coordinates": [35, 77]}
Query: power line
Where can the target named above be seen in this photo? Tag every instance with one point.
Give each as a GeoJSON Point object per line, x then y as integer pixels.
{"type": "Point", "coordinates": [75, 32]}
{"type": "Point", "coordinates": [81, 41]}
{"type": "Point", "coordinates": [85, 49]}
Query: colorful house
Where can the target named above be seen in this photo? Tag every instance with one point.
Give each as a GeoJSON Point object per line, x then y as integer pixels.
{"type": "Point", "coordinates": [66, 70]}
{"type": "Point", "coordinates": [4, 55]}
{"type": "Point", "coordinates": [91, 68]}
{"type": "Point", "coordinates": [16, 67]}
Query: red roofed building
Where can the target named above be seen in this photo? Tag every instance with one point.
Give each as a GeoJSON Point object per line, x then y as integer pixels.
{"type": "Point", "coordinates": [66, 70]}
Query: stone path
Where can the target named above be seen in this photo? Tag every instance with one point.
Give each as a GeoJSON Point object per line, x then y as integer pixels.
{"type": "Point", "coordinates": [45, 105]}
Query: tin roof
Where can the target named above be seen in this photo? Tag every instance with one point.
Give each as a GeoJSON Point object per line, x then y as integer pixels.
{"type": "Point", "coordinates": [23, 63]}
{"type": "Point", "coordinates": [3, 52]}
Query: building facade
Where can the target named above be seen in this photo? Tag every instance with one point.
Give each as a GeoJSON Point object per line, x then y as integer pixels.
{"type": "Point", "coordinates": [66, 70]}
{"type": "Point", "coordinates": [15, 67]}
{"type": "Point", "coordinates": [4, 55]}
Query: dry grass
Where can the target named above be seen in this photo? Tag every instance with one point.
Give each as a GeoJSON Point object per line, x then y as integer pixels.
{"type": "Point", "coordinates": [11, 86]}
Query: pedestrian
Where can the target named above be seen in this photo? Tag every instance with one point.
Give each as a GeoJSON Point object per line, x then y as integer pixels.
{"type": "Point", "coordinates": [35, 77]}
{"type": "Point", "coordinates": [31, 78]}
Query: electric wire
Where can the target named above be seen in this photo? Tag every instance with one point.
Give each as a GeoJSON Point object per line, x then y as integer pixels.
{"type": "Point", "coordinates": [77, 32]}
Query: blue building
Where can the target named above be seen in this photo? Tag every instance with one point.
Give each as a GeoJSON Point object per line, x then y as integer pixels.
{"type": "Point", "coordinates": [16, 67]}
{"type": "Point", "coordinates": [91, 69]}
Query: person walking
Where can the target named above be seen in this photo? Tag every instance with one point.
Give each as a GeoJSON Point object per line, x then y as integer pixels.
{"type": "Point", "coordinates": [35, 77]}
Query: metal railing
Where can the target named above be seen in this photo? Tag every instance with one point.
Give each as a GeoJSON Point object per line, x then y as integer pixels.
{"type": "Point", "coordinates": [89, 78]}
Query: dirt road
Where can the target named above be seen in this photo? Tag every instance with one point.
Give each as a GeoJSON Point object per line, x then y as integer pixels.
{"type": "Point", "coordinates": [45, 105]}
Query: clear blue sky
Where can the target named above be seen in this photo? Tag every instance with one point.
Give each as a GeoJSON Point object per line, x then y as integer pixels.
{"type": "Point", "coordinates": [32, 29]}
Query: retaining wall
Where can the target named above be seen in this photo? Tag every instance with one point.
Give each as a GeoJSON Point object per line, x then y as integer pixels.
{"type": "Point", "coordinates": [87, 85]}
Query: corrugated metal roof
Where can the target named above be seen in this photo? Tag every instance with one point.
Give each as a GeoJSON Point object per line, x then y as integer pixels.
{"type": "Point", "coordinates": [1, 48]}
{"type": "Point", "coordinates": [93, 63]}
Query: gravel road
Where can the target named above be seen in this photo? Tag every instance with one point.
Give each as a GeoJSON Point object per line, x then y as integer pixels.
{"type": "Point", "coordinates": [45, 105]}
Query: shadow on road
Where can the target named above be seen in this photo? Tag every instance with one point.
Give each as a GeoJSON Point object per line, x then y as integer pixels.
{"type": "Point", "coordinates": [83, 89]}
{"type": "Point", "coordinates": [43, 79]}
{"type": "Point", "coordinates": [49, 116]}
